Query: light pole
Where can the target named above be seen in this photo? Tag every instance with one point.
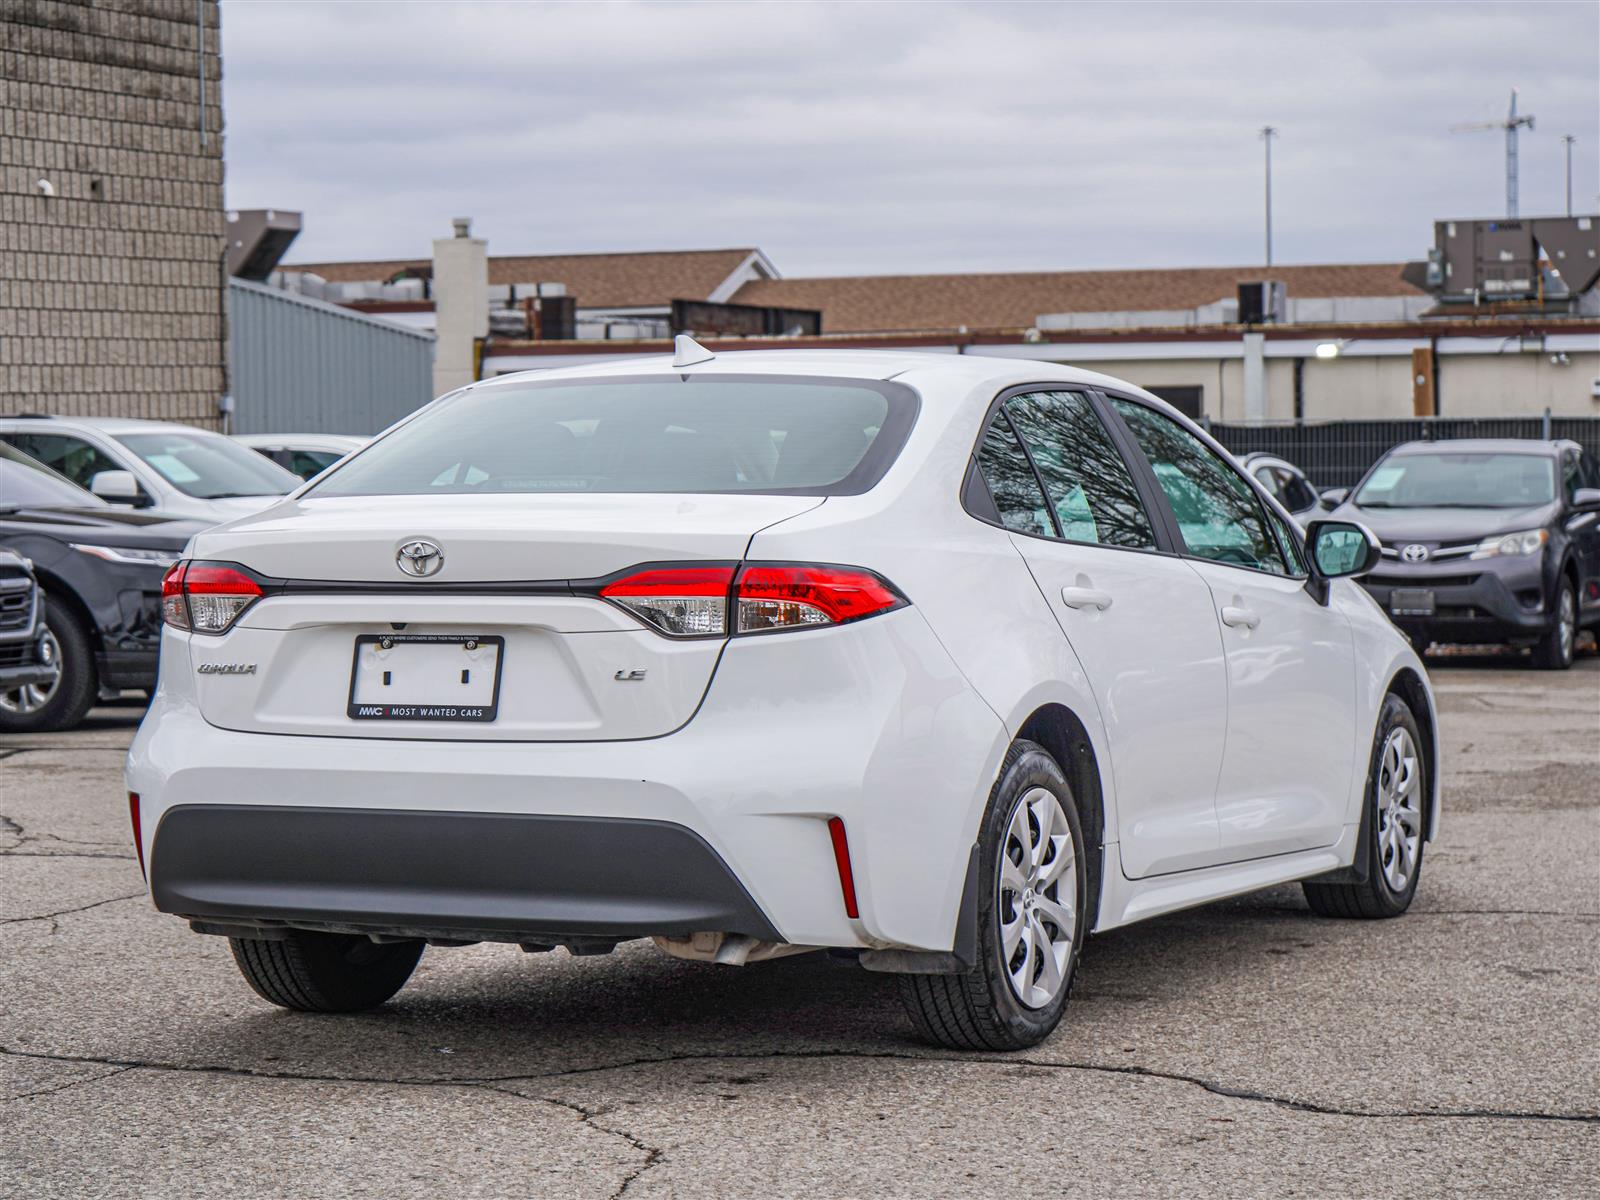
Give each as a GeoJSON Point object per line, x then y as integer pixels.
{"type": "Point", "coordinates": [1268, 132]}
{"type": "Point", "coordinates": [1569, 139]}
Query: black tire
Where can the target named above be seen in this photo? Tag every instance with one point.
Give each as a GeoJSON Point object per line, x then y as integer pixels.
{"type": "Point", "coordinates": [980, 1010]}
{"type": "Point", "coordinates": [78, 686]}
{"type": "Point", "coordinates": [1556, 649]}
{"type": "Point", "coordinates": [325, 972]}
{"type": "Point", "coordinates": [1376, 899]}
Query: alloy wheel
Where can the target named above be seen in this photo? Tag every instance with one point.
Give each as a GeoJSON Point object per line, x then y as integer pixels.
{"type": "Point", "coordinates": [1038, 898]}
{"type": "Point", "coordinates": [1567, 624]}
{"type": "Point", "coordinates": [1399, 809]}
{"type": "Point", "coordinates": [30, 698]}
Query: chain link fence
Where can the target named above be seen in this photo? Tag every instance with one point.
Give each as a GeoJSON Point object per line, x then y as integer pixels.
{"type": "Point", "coordinates": [1338, 453]}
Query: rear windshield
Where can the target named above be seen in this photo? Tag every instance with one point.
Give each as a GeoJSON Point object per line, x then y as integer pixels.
{"type": "Point", "coordinates": [767, 434]}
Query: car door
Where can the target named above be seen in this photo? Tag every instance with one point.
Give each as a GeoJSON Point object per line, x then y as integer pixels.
{"type": "Point", "coordinates": [1291, 745]}
{"type": "Point", "coordinates": [1138, 619]}
{"type": "Point", "coordinates": [1580, 470]}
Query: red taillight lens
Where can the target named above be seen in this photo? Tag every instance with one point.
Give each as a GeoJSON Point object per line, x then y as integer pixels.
{"type": "Point", "coordinates": [681, 601]}
{"type": "Point", "coordinates": [217, 593]}
{"type": "Point", "coordinates": [174, 610]}
{"type": "Point", "coordinates": [138, 838]}
{"type": "Point", "coordinates": [794, 596]}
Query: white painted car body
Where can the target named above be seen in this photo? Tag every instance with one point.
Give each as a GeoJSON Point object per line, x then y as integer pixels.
{"type": "Point", "coordinates": [105, 436]}
{"type": "Point", "coordinates": [1222, 758]}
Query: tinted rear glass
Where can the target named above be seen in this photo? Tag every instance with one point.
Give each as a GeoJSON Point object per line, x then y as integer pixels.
{"type": "Point", "coordinates": [728, 434]}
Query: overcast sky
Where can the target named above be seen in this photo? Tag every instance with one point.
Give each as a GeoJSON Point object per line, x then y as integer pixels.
{"type": "Point", "coordinates": [901, 137]}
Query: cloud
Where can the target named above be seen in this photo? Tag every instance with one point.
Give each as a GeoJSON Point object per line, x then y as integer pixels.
{"type": "Point", "coordinates": [900, 137]}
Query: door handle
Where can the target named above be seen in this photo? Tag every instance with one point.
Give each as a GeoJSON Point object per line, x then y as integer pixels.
{"type": "Point", "coordinates": [1084, 597]}
{"type": "Point", "coordinates": [1233, 614]}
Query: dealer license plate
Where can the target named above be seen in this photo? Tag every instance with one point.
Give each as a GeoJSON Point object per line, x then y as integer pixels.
{"type": "Point", "coordinates": [1411, 602]}
{"type": "Point", "coordinates": [425, 677]}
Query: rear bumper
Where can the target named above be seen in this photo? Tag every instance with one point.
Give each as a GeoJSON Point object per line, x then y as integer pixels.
{"type": "Point", "coordinates": [869, 722]}
{"type": "Point", "coordinates": [474, 876]}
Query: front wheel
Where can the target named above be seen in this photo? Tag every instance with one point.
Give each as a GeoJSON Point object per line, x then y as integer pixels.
{"type": "Point", "coordinates": [1397, 794]}
{"type": "Point", "coordinates": [1554, 651]}
{"type": "Point", "coordinates": [63, 701]}
{"type": "Point", "coordinates": [1032, 894]}
{"type": "Point", "coordinates": [325, 972]}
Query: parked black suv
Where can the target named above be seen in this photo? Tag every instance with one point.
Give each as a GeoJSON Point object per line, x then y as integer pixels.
{"type": "Point", "coordinates": [1491, 540]}
{"type": "Point", "coordinates": [24, 653]}
{"type": "Point", "coordinates": [99, 569]}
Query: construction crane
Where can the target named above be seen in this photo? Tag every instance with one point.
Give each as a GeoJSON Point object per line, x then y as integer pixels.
{"type": "Point", "coordinates": [1511, 124]}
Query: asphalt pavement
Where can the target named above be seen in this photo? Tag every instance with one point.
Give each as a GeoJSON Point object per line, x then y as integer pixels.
{"type": "Point", "coordinates": [1243, 1049]}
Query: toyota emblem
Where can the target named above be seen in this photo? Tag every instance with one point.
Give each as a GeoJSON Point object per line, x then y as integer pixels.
{"type": "Point", "coordinates": [419, 558]}
{"type": "Point", "coordinates": [1415, 553]}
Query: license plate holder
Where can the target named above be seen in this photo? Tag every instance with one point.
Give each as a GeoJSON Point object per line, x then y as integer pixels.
{"type": "Point", "coordinates": [1412, 602]}
{"type": "Point", "coordinates": [459, 674]}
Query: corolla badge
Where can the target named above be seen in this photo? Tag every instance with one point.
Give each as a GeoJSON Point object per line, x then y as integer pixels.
{"type": "Point", "coordinates": [1415, 553]}
{"type": "Point", "coordinates": [214, 668]}
{"type": "Point", "coordinates": [419, 558]}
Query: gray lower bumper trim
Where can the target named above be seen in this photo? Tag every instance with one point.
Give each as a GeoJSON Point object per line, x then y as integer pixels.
{"type": "Point", "coordinates": [497, 875]}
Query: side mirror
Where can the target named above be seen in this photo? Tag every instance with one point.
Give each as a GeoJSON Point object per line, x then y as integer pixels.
{"type": "Point", "coordinates": [1586, 499]}
{"type": "Point", "coordinates": [1339, 550]}
{"type": "Point", "coordinates": [117, 487]}
{"type": "Point", "coordinates": [1333, 497]}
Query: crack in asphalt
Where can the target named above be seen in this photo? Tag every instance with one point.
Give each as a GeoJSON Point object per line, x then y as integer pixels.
{"type": "Point", "coordinates": [71, 1083]}
{"type": "Point", "coordinates": [591, 1117]}
{"type": "Point", "coordinates": [63, 912]}
{"type": "Point", "coordinates": [15, 828]}
{"type": "Point", "coordinates": [489, 1081]}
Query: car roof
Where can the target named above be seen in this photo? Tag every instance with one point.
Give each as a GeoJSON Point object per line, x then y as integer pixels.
{"type": "Point", "coordinates": [112, 425]}
{"type": "Point", "coordinates": [1537, 446]}
{"type": "Point", "coordinates": [916, 368]}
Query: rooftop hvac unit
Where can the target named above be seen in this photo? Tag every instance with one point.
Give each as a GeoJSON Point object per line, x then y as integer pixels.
{"type": "Point", "coordinates": [1262, 302]}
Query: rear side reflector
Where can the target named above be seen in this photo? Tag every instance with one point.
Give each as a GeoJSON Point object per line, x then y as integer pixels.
{"type": "Point", "coordinates": [841, 857]}
{"type": "Point", "coordinates": [715, 599]}
{"type": "Point", "coordinates": [138, 839]}
{"type": "Point", "coordinates": [206, 597]}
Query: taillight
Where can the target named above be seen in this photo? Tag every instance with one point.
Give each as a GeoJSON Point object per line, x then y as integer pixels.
{"type": "Point", "coordinates": [796, 596]}
{"type": "Point", "coordinates": [173, 609]}
{"type": "Point", "coordinates": [206, 597]}
{"type": "Point", "coordinates": [681, 601]}
{"type": "Point", "coordinates": [695, 601]}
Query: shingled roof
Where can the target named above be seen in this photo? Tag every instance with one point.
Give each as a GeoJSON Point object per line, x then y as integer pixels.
{"type": "Point", "coordinates": [902, 303]}
{"type": "Point", "coordinates": [625, 280]}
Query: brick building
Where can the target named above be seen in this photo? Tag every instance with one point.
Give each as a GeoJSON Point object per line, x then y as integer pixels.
{"type": "Point", "coordinates": [112, 297]}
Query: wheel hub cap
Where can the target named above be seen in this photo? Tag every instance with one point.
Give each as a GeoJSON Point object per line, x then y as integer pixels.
{"type": "Point", "coordinates": [1038, 898]}
{"type": "Point", "coordinates": [1399, 803]}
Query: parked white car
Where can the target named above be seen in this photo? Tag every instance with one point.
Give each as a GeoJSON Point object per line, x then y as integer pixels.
{"type": "Point", "coordinates": [168, 469]}
{"type": "Point", "coordinates": [942, 661]}
{"type": "Point", "coordinates": [305, 454]}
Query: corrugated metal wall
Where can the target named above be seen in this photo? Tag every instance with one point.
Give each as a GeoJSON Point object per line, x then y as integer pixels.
{"type": "Point", "coordinates": [304, 366]}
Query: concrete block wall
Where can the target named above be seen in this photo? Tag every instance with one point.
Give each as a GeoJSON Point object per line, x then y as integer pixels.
{"type": "Point", "coordinates": [112, 294]}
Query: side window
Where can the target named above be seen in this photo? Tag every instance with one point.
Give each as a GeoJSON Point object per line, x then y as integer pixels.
{"type": "Point", "coordinates": [1092, 494]}
{"type": "Point", "coordinates": [306, 463]}
{"type": "Point", "coordinates": [1218, 515]}
{"type": "Point", "coordinates": [73, 457]}
{"type": "Point", "coordinates": [1571, 474]}
{"type": "Point", "coordinates": [1296, 494]}
{"type": "Point", "coordinates": [1011, 480]}
{"type": "Point", "coordinates": [1267, 477]}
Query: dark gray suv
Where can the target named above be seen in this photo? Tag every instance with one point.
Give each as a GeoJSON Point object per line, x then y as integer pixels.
{"type": "Point", "coordinates": [1486, 541]}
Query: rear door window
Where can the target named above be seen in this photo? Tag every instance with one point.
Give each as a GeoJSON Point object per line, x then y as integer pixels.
{"type": "Point", "coordinates": [1018, 499]}
{"type": "Point", "coordinates": [1092, 494]}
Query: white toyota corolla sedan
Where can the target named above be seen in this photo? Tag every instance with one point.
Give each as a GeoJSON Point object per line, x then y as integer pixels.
{"type": "Point", "coordinates": [943, 662]}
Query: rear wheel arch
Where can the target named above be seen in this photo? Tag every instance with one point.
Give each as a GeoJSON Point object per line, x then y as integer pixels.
{"type": "Point", "coordinates": [1408, 685]}
{"type": "Point", "coordinates": [1060, 731]}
